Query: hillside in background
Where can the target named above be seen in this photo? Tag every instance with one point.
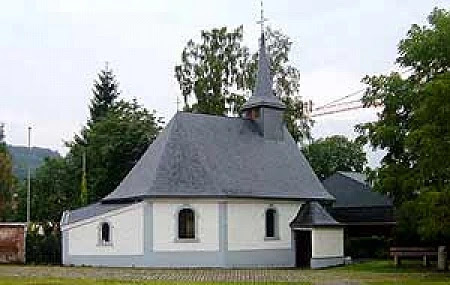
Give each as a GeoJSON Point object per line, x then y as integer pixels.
{"type": "Point", "coordinates": [20, 157]}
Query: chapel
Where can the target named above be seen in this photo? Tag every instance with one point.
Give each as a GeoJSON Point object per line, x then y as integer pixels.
{"type": "Point", "coordinates": [213, 191]}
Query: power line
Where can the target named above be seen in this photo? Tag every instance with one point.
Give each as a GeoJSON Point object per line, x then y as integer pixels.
{"type": "Point", "coordinates": [340, 99]}
{"type": "Point", "coordinates": [336, 111]}
{"type": "Point", "coordinates": [329, 105]}
{"type": "Point", "coordinates": [335, 103]}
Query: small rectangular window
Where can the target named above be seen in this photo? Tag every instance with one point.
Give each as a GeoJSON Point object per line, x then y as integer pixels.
{"type": "Point", "coordinates": [270, 223]}
{"type": "Point", "coordinates": [186, 224]}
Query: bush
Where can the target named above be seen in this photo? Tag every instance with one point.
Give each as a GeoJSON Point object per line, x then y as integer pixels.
{"type": "Point", "coordinates": [367, 247]}
{"type": "Point", "coordinates": [43, 246]}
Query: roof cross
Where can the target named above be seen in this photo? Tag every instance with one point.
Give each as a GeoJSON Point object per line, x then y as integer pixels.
{"type": "Point", "coordinates": [262, 20]}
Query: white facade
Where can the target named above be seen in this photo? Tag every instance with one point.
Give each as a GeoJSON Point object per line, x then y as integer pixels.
{"type": "Point", "coordinates": [327, 242]}
{"type": "Point", "coordinates": [126, 233]}
{"type": "Point", "coordinates": [165, 222]}
{"type": "Point", "coordinates": [246, 225]}
{"type": "Point", "coordinates": [228, 233]}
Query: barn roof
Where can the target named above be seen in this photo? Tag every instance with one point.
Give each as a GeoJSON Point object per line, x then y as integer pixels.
{"type": "Point", "coordinates": [200, 155]}
{"type": "Point", "coordinates": [351, 189]}
{"type": "Point", "coordinates": [312, 214]}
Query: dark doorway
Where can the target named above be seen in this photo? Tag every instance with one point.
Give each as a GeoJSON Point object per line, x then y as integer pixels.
{"type": "Point", "coordinates": [303, 249]}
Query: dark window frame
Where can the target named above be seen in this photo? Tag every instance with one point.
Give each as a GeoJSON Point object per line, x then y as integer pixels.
{"type": "Point", "coordinates": [186, 224]}
{"type": "Point", "coordinates": [271, 224]}
{"type": "Point", "coordinates": [105, 233]}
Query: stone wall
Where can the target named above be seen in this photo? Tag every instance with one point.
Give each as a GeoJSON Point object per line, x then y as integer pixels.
{"type": "Point", "coordinates": [12, 243]}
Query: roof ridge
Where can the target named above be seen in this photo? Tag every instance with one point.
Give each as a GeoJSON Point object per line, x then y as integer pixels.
{"type": "Point", "coordinates": [163, 135]}
{"type": "Point", "coordinates": [172, 124]}
{"type": "Point", "coordinates": [183, 113]}
{"type": "Point", "coordinates": [344, 173]}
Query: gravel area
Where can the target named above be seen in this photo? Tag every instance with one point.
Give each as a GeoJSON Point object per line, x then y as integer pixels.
{"type": "Point", "coordinates": [328, 276]}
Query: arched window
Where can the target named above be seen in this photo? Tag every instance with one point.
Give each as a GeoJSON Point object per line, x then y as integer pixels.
{"type": "Point", "coordinates": [186, 224]}
{"type": "Point", "coordinates": [105, 233]}
{"type": "Point", "coordinates": [271, 223]}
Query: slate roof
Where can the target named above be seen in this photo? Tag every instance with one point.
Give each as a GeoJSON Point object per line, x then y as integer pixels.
{"type": "Point", "coordinates": [199, 155]}
{"type": "Point", "coordinates": [89, 211]}
{"type": "Point", "coordinates": [351, 190]}
{"type": "Point", "coordinates": [312, 214]}
{"type": "Point", "coordinates": [204, 156]}
{"type": "Point", "coordinates": [263, 94]}
{"type": "Point", "coordinates": [366, 215]}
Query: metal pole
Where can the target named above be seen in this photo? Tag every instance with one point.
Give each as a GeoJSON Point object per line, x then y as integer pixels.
{"type": "Point", "coordinates": [29, 177]}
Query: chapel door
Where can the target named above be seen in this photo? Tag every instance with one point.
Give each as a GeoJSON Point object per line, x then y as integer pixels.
{"type": "Point", "coordinates": [303, 249]}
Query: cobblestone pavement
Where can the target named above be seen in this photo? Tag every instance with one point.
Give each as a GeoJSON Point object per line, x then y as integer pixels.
{"type": "Point", "coordinates": [329, 276]}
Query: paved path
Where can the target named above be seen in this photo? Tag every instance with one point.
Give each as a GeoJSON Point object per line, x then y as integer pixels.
{"type": "Point", "coordinates": [330, 276]}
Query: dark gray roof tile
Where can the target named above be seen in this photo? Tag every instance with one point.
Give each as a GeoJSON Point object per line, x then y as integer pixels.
{"type": "Point", "coordinates": [200, 155]}
{"type": "Point", "coordinates": [351, 190]}
{"type": "Point", "coordinates": [90, 211]}
{"type": "Point", "coordinates": [312, 214]}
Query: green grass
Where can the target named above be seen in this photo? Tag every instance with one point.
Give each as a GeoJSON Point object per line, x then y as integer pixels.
{"type": "Point", "coordinates": [384, 272]}
{"type": "Point", "coordinates": [387, 266]}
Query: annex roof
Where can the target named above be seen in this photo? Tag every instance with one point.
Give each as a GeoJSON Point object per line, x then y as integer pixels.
{"type": "Point", "coordinates": [351, 189]}
{"type": "Point", "coordinates": [89, 211]}
{"type": "Point", "coordinates": [312, 214]}
{"type": "Point", "coordinates": [199, 155]}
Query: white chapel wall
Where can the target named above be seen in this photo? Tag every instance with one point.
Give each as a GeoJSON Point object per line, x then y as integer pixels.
{"type": "Point", "coordinates": [165, 221]}
{"type": "Point", "coordinates": [126, 233]}
{"type": "Point", "coordinates": [246, 225]}
{"type": "Point", "coordinates": [327, 242]}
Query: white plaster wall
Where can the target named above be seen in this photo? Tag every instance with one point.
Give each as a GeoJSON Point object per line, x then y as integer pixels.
{"type": "Point", "coordinates": [165, 226]}
{"type": "Point", "coordinates": [126, 235]}
{"type": "Point", "coordinates": [327, 242]}
{"type": "Point", "coordinates": [246, 225]}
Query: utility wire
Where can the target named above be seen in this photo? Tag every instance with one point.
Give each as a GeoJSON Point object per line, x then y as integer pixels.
{"type": "Point", "coordinates": [340, 99]}
{"type": "Point", "coordinates": [332, 103]}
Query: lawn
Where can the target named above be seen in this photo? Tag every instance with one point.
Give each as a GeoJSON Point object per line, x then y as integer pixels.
{"type": "Point", "coordinates": [373, 272]}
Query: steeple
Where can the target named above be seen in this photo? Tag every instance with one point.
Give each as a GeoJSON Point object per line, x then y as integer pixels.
{"type": "Point", "coordinates": [263, 107]}
{"type": "Point", "coordinates": [263, 94]}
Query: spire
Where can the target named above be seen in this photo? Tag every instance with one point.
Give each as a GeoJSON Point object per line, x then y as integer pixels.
{"type": "Point", "coordinates": [264, 81]}
{"type": "Point", "coordinates": [263, 94]}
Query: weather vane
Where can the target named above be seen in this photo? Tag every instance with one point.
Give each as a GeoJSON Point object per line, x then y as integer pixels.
{"type": "Point", "coordinates": [262, 20]}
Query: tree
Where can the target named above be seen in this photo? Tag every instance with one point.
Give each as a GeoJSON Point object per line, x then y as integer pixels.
{"type": "Point", "coordinates": [7, 179]}
{"type": "Point", "coordinates": [2, 132]}
{"type": "Point", "coordinates": [211, 69]}
{"type": "Point", "coordinates": [413, 127]}
{"type": "Point", "coordinates": [336, 153]}
{"type": "Point", "coordinates": [105, 93]}
{"type": "Point", "coordinates": [114, 145]}
{"type": "Point", "coordinates": [54, 189]}
{"type": "Point", "coordinates": [217, 75]}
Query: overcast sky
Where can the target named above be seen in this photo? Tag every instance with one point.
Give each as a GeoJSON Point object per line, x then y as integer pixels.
{"type": "Point", "coordinates": [51, 51]}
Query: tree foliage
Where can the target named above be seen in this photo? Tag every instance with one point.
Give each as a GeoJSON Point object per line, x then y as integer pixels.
{"type": "Point", "coordinates": [113, 140]}
{"type": "Point", "coordinates": [7, 180]}
{"type": "Point", "coordinates": [114, 144]}
{"type": "Point", "coordinates": [336, 153]}
{"type": "Point", "coordinates": [413, 127]}
{"type": "Point", "coordinates": [53, 190]}
{"type": "Point", "coordinates": [2, 133]}
{"type": "Point", "coordinates": [216, 76]}
{"type": "Point", "coordinates": [105, 93]}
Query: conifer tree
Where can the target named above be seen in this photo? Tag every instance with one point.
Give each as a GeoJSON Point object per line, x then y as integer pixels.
{"type": "Point", "coordinates": [2, 132]}
{"type": "Point", "coordinates": [105, 93]}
